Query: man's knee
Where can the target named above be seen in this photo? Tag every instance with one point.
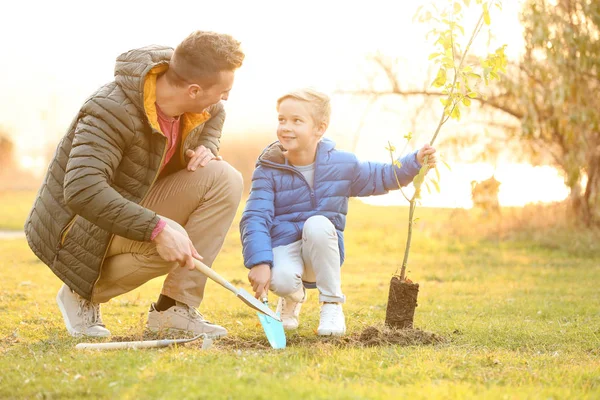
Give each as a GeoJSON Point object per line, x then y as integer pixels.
{"type": "Point", "coordinates": [228, 180]}
{"type": "Point", "coordinates": [234, 179]}
{"type": "Point", "coordinates": [318, 228]}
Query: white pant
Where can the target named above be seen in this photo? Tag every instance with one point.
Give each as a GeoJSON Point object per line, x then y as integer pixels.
{"type": "Point", "coordinates": [315, 258]}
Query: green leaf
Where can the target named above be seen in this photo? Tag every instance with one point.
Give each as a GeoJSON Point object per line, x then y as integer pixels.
{"type": "Point", "coordinates": [467, 2]}
{"type": "Point", "coordinates": [446, 164]}
{"type": "Point", "coordinates": [466, 101]}
{"type": "Point", "coordinates": [440, 79]}
{"type": "Point", "coordinates": [397, 163]}
{"type": "Point", "coordinates": [436, 184]}
{"type": "Point", "coordinates": [434, 55]}
{"type": "Point", "coordinates": [418, 12]}
{"type": "Point", "coordinates": [455, 113]}
{"type": "Point", "coordinates": [437, 172]}
{"type": "Point", "coordinates": [457, 7]}
{"type": "Point", "coordinates": [408, 136]}
{"type": "Point", "coordinates": [472, 95]}
{"type": "Point", "coordinates": [486, 15]}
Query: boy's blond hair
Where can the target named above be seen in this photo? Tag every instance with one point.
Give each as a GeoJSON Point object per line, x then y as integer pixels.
{"type": "Point", "coordinates": [319, 101]}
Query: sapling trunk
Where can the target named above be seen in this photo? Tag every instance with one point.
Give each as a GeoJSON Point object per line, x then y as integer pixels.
{"type": "Point", "coordinates": [402, 298]}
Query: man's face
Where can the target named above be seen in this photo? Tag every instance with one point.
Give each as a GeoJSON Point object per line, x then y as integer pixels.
{"type": "Point", "coordinates": [297, 131]}
{"type": "Point", "coordinates": [201, 98]}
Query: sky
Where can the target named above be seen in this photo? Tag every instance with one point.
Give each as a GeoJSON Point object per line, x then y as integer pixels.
{"type": "Point", "coordinates": [57, 53]}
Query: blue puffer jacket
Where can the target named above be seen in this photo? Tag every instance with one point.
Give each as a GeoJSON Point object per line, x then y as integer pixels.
{"type": "Point", "coordinates": [281, 200]}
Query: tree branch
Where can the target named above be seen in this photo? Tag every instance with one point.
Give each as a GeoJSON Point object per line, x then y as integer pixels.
{"type": "Point", "coordinates": [490, 102]}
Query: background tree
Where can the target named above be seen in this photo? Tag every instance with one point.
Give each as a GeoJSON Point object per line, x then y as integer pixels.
{"type": "Point", "coordinates": [6, 151]}
{"type": "Point", "coordinates": [550, 94]}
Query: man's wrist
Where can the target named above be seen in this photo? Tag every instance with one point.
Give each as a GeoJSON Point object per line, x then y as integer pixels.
{"type": "Point", "coordinates": [158, 229]}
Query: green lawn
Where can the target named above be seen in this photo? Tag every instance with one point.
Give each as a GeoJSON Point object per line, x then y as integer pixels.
{"type": "Point", "coordinates": [14, 207]}
{"type": "Point", "coordinates": [522, 319]}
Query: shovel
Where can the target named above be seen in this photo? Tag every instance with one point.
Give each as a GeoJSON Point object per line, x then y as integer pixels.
{"type": "Point", "coordinates": [241, 294]}
{"type": "Point", "coordinates": [273, 328]}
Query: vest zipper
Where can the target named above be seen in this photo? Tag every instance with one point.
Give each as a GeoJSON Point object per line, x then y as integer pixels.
{"type": "Point", "coordinates": [65, 231]}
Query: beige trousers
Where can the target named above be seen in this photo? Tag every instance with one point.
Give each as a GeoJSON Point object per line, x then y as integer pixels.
{"type": "Point", "coordinates": [202, 203]}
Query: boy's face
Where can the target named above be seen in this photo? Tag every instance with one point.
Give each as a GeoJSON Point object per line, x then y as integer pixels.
{"type": "Point", "coordinates": [297, 131]}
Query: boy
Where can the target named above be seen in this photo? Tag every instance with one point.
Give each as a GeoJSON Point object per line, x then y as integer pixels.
{"type": "Point", "coordinates": [292, 226]}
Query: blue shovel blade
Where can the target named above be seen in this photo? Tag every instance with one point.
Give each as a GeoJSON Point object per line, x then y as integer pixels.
{"type": "Point", "coordinates": [273, 330]}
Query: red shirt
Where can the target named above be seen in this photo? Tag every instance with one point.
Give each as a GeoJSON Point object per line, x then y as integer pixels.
{"type": "Point", "coordinates": [170, 127]}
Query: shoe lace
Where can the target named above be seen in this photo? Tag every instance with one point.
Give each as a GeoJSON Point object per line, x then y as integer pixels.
{"type": "Point", "coordinates": [287, 308]}
{"type": "Point", "coordinates": [194, 313]}
{"type": "Point", "coordinates": [90, 313]}
{"type": "Point", "coordinates": [330, 313]}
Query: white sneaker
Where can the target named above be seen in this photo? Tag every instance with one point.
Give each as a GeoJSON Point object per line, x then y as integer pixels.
{"type": "Point", "coordinates": [182, 318]}
{"type": "Point", "coordinates": [289, 311]}
{"type": "Point", "coordinates": [82, 317]}
{"type": "Point", "coordinates": [332, 322]}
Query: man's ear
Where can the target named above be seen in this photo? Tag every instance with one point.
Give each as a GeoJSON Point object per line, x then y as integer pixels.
{"type": "Point", "coordinates": [195, 91]}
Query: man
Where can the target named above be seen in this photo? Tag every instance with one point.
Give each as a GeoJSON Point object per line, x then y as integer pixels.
{"type": "Point", "coordinates": [137, 190]}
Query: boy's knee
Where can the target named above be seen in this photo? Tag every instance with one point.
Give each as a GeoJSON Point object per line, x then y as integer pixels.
{"type": "Point", "coordinates": [284, 285]}
{"type": "Point", "coordinates": [318, 228]}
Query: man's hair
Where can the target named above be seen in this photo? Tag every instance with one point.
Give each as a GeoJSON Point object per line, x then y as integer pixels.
{"type": "Point", "coordinates": [319, 102]}
{"type": "Point", "coordinates": [201, 56]}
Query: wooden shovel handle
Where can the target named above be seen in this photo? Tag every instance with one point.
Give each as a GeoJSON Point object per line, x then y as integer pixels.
{"type": "Point", "coordinates": [214, 276]}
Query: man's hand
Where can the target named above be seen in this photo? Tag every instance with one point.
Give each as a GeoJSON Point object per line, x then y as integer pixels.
{"type": "Point", "coordinates": [260, 279]}
{"type": "Point", "coordinates": [427, 150]}
{"type": "Point", "coordinates": [199, 157]}
{"type": "Point", "coordinates": [173, 245]}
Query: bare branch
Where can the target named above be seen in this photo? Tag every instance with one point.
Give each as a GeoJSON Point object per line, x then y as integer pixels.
{"type": "Point", "coordinates": [490, 102]}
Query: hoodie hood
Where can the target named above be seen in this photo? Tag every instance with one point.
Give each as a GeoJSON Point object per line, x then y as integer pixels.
{"type": "Point", "coordinates": [133, 67]}
{"type": "Point", "coordinates": [274, 153]}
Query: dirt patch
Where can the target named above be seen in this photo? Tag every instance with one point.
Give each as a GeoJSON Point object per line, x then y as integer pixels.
{"type": "Point", "coordinates": [402, 301]}
{"type": "Point", "coordinates": [241, 343]}
{"type": "Point", "coordinates": [384, 336]}
{"type": "Point", "coordinates": [371, 336]}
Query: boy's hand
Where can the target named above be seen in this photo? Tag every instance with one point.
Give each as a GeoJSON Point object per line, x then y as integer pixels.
{"type": "Point", "coordinates": [427, 150]}
{"type": "Point", "coordinates": [260, 279]}
{"type": "Point", "coordinates": [199, 157]}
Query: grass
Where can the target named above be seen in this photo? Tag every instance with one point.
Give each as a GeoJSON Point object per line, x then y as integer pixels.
{"type": "Point", "coordinates": [14, 208]}
{"type": "Point", "coordinates": [522, 319]}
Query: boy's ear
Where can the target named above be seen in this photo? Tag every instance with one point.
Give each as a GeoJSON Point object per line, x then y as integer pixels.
{"type": "Point", "coordinates": [322, 128]}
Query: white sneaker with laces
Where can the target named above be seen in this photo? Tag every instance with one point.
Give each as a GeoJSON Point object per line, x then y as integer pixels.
{"type": "Point", "coordinates": [332, 322]}
{"type": "Point", "coordinates": [182, 318]}
{"type": "Point", "coordinates": [82, 317]}
{"type": "Point", "coordinates": [289, 311]}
